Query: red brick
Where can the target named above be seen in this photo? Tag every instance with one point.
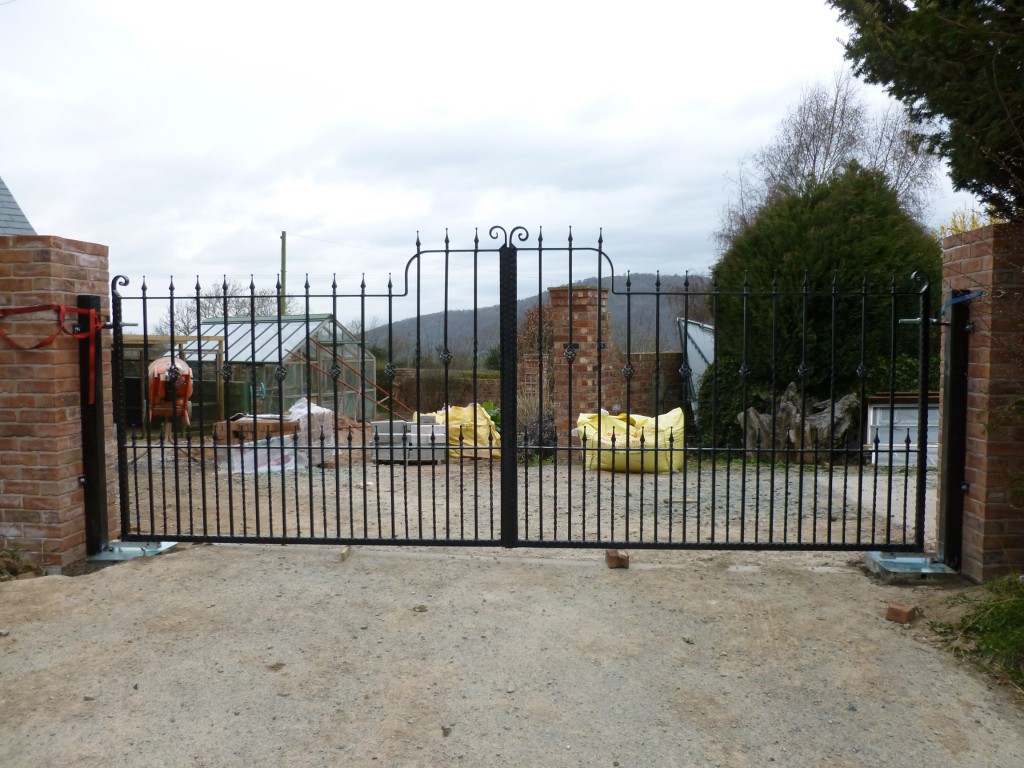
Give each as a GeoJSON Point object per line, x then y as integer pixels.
{"type": "Point", "coordinates": [45, 531]}
{"type": "Point", "coordinates": [9, 458]}
{"type": "Point", "coordinates": [71, 538]}
{"type": "Point", "coordinates": [38, 386]}
{"type": "Point", "coordinates": [57, 472]}
{"type": "Point", "coordinates": [13, 513]}
{"type": "Point", "coordinates": [15, 430]}
{"type": "Point", "coordinates": [10, 401]}
{"type": "Point", "coordinates": [42, 502]}
{"type": "Point", "coordinates": [616, 558]}
{"type": "Point", "coordinates": [21, 487]}
{"type": "Point", "coordinates": [60, 515]}
{"type": "Point", "coordinates": [31, 415]}
{"type": "Point", "coordinates": [66, 428]}
{"type": "Point", "coordinates": [900, 612]}
{"type": "Point", "coordinates": [26, 547]}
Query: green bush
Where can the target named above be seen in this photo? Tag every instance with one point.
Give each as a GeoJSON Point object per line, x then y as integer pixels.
{"type": "Point", "coordinates": [13, 564]}
{"type": "Point", "coordinates": [720, 398]}
{"type": "Point", "coordinates": [494, 412]}
{"type": "Point", "coordinates": [820, 246]}
{"type": "Point", "coordinates": [492, 359]}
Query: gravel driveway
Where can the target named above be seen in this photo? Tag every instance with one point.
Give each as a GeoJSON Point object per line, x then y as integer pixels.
{"type": "Point", "coordinates": [252, 656]}
{"type": "Point", "coordinates": [733, 502]}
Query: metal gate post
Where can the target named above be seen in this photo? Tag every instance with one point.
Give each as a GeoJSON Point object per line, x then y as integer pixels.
{"type": "Point", "coordinates": [952, 484]}
{"type": "Point", "coordinates": [94, 465]}
{"type": "Point", "coordinates": [923, 371]}
{"type": "Point", "coordinates": [508, 329]}
{"type": "Point", "coordinates": [120, 417]}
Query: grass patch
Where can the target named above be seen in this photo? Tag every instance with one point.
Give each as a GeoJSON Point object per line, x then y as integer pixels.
{"type": "Point", "coordinates": [991, 630]}
{"type": "Point", "coordinates": [13, 564]}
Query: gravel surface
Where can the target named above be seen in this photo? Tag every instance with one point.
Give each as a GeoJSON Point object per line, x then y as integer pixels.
{"type": "Point", "coordinates": [290, 656]}
{"type": "Point", "coordinates": [723, 502]}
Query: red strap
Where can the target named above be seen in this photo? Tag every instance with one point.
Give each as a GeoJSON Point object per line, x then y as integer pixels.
{"type": "Point", "coordinates": [92, 327]}
{"type": "Point", "coordinates": [4, 311]}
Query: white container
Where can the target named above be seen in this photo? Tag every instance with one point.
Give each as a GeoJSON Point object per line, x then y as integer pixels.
{"type": "Point", "coordinates": [408, 443]}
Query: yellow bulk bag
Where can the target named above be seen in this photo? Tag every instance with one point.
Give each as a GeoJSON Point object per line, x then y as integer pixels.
{"type": "Point", "coordinates": [470, 429]}
{"type": "Point", "coordinates": [632, 443]}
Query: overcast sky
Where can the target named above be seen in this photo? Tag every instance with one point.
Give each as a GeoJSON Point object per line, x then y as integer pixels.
{"type": "Point", "coordinates": [187, 136]}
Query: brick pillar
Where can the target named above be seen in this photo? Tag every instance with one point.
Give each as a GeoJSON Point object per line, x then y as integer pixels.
{"type": "Point", "coordinates": [578, 393]}
{"type": "Point", "coordinates": [42, 509]}
{"type": "Point", "coordinates": [991, 259]}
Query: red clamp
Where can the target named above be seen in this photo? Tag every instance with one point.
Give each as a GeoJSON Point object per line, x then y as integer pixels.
{"type": "Point", "coordinates": [92, 329]}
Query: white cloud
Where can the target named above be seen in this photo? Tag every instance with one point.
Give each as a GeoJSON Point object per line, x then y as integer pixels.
{"type": "Point", "coordinates": [187, 137]}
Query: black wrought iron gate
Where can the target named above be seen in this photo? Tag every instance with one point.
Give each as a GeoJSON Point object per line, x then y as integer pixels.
{"type": "Point", "coordinates": [587, 409]}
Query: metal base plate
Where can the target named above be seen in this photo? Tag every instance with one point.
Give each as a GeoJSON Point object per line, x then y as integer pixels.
{"type": "Point", "coordinates": [908, 567]}
{"type": "Point", "coordinates": [120, 550]}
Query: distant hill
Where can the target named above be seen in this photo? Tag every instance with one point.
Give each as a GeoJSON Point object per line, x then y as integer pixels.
{"type": "Point", "coordinates": [641, 313]}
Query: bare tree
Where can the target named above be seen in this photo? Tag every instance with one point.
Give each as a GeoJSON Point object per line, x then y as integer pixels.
{"type": "Point", "coordinates": [356, 324]}
{"type": "Point", "coordinates": [816, 138]}
{"type": "Point", "coordinates": [828, 128]}
{"type": "Point", "coordinates": [893, 147]}
{"type": "Point", "coordinates": [242, 301]}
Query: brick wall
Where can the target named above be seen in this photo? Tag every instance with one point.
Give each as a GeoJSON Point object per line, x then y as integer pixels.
{"type": "Point", "coordinates": [432, 388]}
{"type": "Point", "coordinates": [991, 259]}
{"type": "Point", "coordinates": [643, 397]}
{"type": "Point", "coordinates": [41, 501]}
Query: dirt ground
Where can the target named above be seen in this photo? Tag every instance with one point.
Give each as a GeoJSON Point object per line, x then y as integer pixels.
{"type": "Point", "coordinates": [290, 656]}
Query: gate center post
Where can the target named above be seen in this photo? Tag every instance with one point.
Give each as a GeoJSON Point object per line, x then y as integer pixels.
{"type": "Point", "coordinates": [508, 329]}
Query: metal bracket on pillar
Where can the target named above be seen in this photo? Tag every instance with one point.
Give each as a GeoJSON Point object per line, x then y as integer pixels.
{"type": "Point", "coordinates": [94, 458]}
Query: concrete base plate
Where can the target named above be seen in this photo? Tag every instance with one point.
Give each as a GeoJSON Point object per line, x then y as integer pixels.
{"type": "Point", "coordinates": [909, 567]}
{"type": "Point", "coordinates": [122, 550]}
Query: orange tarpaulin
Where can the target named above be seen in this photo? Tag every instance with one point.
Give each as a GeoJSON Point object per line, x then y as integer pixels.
{"type": "Point", "coordinates": [167, 400]}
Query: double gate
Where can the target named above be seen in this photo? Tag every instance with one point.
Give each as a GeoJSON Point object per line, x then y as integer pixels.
{"type": "Point", "coordinates": [614, 410]}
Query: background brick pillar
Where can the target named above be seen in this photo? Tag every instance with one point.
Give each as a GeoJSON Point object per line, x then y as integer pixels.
{"type": "Point", "coordinates": [991, 259]}
{"type": "Point", "coordinates": [41, 502]}
{"type": "Point", "coordinates": [579, 394]}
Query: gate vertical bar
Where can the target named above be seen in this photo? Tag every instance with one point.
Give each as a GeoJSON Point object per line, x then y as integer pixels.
{"type": "Point", "coordinates": [952, 487]}
{"type": "Point", "coordinates": [507, 269]}
{"type": "Point", "coordinates": [94, 465]}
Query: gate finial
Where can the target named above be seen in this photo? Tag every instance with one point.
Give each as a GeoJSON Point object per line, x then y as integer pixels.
{"type": "Point", "coordinates": [517, 232]}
